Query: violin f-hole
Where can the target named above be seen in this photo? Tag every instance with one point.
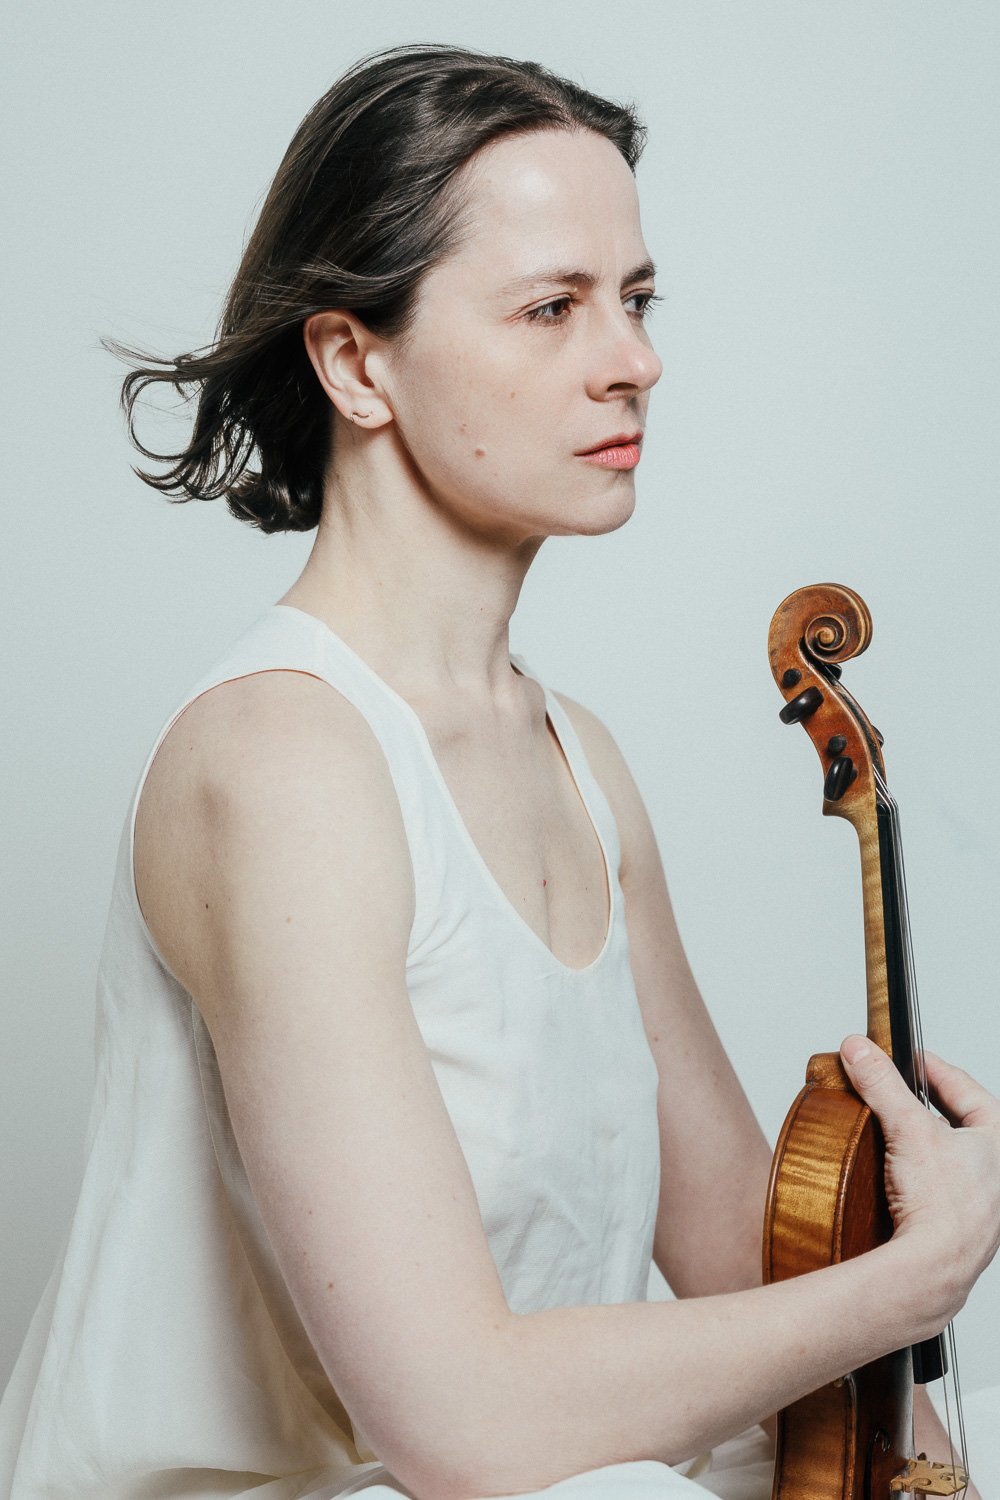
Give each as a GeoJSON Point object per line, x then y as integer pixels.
{"type": "Point", "coordinates": [878, 1448]}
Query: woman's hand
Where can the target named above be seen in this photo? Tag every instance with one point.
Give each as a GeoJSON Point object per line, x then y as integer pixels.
{"type": "Point", "coordinates": [942, 1179]}
{"type": "Point", "coordinates": [942, 1176]}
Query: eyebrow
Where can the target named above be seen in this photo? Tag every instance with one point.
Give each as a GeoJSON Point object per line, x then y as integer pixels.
{"type": "Point", "coordinates": [557, 276]}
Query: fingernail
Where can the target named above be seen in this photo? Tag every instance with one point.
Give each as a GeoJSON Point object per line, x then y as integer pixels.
{"type": "Point", "coordinates": [855, 1048]}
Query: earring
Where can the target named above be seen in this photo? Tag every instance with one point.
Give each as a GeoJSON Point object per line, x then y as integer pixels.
{"type": "Point", "coordinates": [361, 414]}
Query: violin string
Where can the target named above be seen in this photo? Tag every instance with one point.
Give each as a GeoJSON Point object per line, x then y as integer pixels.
{"type": "Point", "coordinates": [953, 1356]}
{"type": "Point", "coordinates": [909, 988]}
{"type": "Point", "coordinates": [962, 1456]}
{"type": "Point", "coordinates": [913, 1011]}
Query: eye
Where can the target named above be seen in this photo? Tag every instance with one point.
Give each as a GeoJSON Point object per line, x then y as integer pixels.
{"type": "Point", "coordinates": [535, 315]}
{"type": "Point", "coordinates": [648, 300]}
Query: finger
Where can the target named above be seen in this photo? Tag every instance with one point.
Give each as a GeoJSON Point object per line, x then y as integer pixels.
{"type": "Point", "coordinates": [879, 1082]}
{"type": "Point", "coordinates": [957, 1094]}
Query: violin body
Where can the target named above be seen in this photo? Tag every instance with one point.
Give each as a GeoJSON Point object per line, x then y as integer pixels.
{"type": "Point", "coordinates": [826, 1203]}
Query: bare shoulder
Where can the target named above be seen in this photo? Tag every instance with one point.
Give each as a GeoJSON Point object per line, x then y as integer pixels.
{"type": "Point", "coordinates": [611, 769]}
{"type": "Point", "coordinates": [260, 708]}
{"type": "Point", "coordinates": [265, 757]}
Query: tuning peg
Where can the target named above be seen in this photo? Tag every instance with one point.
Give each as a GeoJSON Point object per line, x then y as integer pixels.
{"type": "Point", "coordinates": [802, 706]}
{"type": "Point", "coordinates": [839, 778]}
{"type": "Point", "coordinates": [878, 735]}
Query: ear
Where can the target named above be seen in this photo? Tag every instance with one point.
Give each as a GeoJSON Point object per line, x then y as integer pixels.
{"type": "Point", "coordinates": [347, 359]}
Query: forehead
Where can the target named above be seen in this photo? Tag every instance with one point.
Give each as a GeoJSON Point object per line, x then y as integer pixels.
{"type": "Point", "coordinates": [549, 197]}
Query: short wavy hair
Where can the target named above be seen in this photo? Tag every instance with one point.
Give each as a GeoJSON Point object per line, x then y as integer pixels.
{"type": "Point", "coordinates": [363, 204]}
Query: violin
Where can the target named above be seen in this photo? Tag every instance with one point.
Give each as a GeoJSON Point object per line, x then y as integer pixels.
{"type": "Point", "coordinates": [826, 1199]}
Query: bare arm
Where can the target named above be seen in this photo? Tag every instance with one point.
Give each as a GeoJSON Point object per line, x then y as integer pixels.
{"type": "Point", "coordinates": [287, 915]}
{"type": "Point", "coordinates": [293, 865]}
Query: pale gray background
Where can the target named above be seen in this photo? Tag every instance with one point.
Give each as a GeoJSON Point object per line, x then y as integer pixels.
{"type": "Point", "coordinates": [819, 189]}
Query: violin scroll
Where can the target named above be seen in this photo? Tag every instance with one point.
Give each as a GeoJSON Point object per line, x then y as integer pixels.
{"type": "Point", "coordinates": [812, 632]}
{"type": "Point", "coordinates": [831, 622]}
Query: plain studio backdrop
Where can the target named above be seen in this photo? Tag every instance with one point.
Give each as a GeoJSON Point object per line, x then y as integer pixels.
{"type": "Point", "coordinates": [819, 192]}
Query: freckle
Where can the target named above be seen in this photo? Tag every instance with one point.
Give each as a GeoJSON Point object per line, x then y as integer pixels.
{"type": "Point", "coordinates": [512, 395]}
{"type": "Point", "coordinates": [480, 452]}
{"type": "Point", "coordinates": [329, 1286]}
{"type": "Point", "coordinates": [462, 427]}
{"type": "Point", "coordinates": [545, 882]}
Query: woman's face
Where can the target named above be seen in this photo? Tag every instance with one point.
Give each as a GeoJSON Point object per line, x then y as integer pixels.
{"type": "Point", "coordinates": [512, 367]}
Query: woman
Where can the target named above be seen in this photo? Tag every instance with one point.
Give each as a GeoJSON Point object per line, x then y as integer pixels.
{"type": "Point", "coordinates": [402, 1074]}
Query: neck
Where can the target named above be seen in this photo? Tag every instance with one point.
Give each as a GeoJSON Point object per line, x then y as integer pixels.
{"type": "Point", "coordinates": [407, 579]}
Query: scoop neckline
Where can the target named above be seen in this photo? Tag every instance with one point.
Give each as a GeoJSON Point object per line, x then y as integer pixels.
{"type": "Point", "coordinates": [551, 714]}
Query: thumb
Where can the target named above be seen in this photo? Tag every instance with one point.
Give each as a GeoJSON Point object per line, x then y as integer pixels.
{"type": "Point", "coordinates": [879, 1082]}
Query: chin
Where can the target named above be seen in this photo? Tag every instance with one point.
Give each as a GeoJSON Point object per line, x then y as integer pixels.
{"type": "Point", "coordinates": [597, 517]}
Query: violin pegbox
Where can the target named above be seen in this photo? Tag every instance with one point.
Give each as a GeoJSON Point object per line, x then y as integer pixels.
{"type": "Point", "coordinates": [812, 632]}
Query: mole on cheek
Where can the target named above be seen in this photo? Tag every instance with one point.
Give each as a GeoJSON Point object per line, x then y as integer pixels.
{"type": "Point", "coordinates": [512, 395]}
{"type": "Point", "coordinates": [480, 452]}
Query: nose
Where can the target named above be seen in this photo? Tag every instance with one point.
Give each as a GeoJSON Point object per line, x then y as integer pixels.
{"type": "Point", "coordinates": [627, 360]}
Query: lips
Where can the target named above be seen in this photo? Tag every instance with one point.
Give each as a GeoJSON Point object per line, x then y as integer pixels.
{"type": "Point", "coordinates": [620, 440]}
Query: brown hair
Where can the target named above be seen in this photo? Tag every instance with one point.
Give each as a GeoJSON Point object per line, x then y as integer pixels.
{"type": "Point", "coordinates": [361, 207]}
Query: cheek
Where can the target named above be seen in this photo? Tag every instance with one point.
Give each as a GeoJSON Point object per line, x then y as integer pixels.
{"type": "Point", "coordinates": [461, 411]}
{"type": "Point", "coordinates": [479, 414]}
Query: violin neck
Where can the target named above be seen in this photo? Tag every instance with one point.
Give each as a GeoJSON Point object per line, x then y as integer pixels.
{"type": "Point", "coordinates": [930, 1360]}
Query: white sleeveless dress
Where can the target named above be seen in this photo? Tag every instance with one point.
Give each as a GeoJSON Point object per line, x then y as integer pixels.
{"type": "Point", "coordinates": [166, 1358]}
